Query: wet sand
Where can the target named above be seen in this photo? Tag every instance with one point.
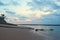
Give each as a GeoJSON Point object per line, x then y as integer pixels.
{"type": "Point", "coordinates": [18, 34]}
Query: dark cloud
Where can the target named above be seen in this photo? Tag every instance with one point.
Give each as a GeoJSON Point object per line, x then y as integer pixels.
{"type": "Point", "coordinates": [1, 3]}
{"type": "Point", "coordinates": [10, 12]}
{"type": "Point", "coordinates": [22, 17]}
{"type": "Point", "coordinates": [43, 3]}
{"type": "Point", "coordinates": [9, 2]}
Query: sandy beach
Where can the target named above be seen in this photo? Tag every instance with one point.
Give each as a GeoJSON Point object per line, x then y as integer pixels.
{"type": "Point", "coordinates": [18, 34]}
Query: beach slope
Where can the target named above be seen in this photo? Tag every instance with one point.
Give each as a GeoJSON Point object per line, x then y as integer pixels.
{"type": "Point", "coordinates": [18, 34]}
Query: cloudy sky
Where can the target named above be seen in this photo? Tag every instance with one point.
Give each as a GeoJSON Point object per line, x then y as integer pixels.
{"type": "Point", "coordinates": [31, 11]}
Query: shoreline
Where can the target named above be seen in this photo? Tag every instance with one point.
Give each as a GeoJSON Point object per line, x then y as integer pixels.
{"type": "Point", "coordinates": [18, 34]}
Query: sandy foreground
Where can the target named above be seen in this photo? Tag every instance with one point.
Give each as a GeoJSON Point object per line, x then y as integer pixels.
{"type": "Point", "coordinates": [18, 34]}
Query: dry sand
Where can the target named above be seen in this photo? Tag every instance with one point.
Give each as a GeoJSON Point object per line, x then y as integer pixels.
{"type": "Point", "coordinates": [18, 34]}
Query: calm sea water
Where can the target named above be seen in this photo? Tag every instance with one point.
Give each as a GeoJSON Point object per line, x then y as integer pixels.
{"type": "Point", "coordinates": [50, 35]}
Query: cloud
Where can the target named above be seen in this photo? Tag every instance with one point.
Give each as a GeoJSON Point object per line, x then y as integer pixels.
{"type": "Point", "coordinates": [28, 20]}
{"type": "Point", "coordinates": [31, 11]}
{"type": "Point", "coordinates": [9, 2]}
{"type": "Point", "coordinates": [57, 2]}
{"type": "Point", "coordinates": [10, 12]}
{"type": "Point", "coordinates": [40, 4]}
{"type": "Point", "coordinates": [51, 19]}
{"type": "Point", "coordinates": [1, 3]}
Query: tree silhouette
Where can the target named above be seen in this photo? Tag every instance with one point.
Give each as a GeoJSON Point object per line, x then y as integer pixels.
{"type": "Point", "coordinates": [2, 17]}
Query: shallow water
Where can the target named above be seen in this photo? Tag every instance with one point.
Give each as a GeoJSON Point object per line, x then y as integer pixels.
{"type": "Point", "coordinates": [49, 34]}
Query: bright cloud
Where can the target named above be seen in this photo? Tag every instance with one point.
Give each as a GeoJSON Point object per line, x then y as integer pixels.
{"type": "Point", "coordinates": [28, 20]}
{"type": "Point", "coordinates": [57, 2]}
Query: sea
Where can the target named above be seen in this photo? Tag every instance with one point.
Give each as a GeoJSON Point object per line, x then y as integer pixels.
{"type": "Point", "coordinates": [50, 32]}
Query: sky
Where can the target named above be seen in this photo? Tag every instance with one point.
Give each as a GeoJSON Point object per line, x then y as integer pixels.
{"type": "Point", "coordinates": [31, 11]}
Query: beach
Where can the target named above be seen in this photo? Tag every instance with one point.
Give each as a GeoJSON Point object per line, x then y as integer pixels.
{"type": "Point", "coordinates": [28, 33]}
{"type": "Point", "coordinates": [18, 34]}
